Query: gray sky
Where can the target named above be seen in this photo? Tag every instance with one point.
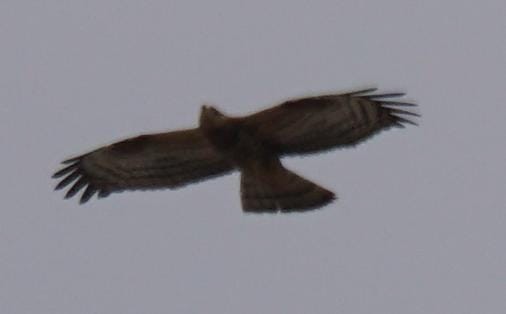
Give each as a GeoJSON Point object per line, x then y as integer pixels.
{"type": "Point", "coordinates": [420, 223]}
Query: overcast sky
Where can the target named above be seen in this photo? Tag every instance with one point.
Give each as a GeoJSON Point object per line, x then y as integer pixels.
{"type": "Point", "coordinates": [420, 224]}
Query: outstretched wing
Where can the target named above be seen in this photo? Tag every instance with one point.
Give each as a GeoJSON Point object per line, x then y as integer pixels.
{"type": "Point", "coordinates": [166, 160]}
{"type": "Point", "coordinates": [313, 124]}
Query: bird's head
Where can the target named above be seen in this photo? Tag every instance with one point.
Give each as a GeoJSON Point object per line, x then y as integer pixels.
{"type": "Point", "coordinates": [210, 117]}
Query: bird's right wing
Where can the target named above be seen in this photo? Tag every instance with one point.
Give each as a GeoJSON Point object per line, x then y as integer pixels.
{"type": "Point", "coordinates": [312, 124]}
{"type": "Point", "coordinates": [166, 160]}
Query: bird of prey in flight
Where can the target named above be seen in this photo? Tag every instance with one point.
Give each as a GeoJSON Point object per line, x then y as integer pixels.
{"type": "Point", "coordinates": [252, 145]}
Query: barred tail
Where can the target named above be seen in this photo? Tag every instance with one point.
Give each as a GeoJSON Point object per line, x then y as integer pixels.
{"type": "Point", "coordinates": [279, 189]}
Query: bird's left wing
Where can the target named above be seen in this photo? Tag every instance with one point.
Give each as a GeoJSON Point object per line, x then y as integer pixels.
{"type": "Point", "coordinates": [312, 124]}
{"type": "Point", "coordinates": [166, 160]}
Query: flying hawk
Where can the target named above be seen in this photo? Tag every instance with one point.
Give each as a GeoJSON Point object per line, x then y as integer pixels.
{"type": "Point", "coordinates": [251, 144]}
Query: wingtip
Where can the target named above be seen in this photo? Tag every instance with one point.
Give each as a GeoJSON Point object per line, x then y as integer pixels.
{"type": "Point", "coordinates": [65, 170]}
{"type": "Point", "coordinates": [83, 200]}
{"type": "Point", "coordinates": [398, 103]}
{"type": "Point", "coordinates": [88, 193]}
{"type": "Point", "coordinates": [389, 106]}
{"type": "Point", "coordinates": [404, 120]}
{"type": "Point", "coordinates": [405, 112]}
{"type": "Point", "coordinates": [78, 185]}
{"type": "Point", "coordinates": [68, 180]}
{"type": "Point", "coordinates": [70, 160]}
{"type": "Point", "coordinates": [103, 193]}
{"type": "Point", "coordinates": [362, 91]}
{"type": "Point", "coordinates": [386, 95]}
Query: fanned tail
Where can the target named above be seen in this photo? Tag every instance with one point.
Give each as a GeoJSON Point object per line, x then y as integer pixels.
{"type": "Point", "coordinates": [279, 189]}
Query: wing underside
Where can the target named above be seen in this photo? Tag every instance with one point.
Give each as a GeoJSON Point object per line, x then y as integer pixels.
{"type": "Point", "coordinates": [167, 160]}
{"type": "Point", "coordinates": [319, 123]}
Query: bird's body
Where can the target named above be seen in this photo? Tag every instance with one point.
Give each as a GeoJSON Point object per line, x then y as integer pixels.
{"type": "Point", "coordinates": [232, 138]}
{"type": "Point", "coordinates": [252, 145]}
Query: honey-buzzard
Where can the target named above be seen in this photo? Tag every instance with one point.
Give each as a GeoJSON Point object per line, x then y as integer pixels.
{"type": "Point", "coordinates": [251, 144]}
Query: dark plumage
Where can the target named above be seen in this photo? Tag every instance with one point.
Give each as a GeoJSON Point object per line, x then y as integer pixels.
{"type": "Point", "coordinates": [252, 144]}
